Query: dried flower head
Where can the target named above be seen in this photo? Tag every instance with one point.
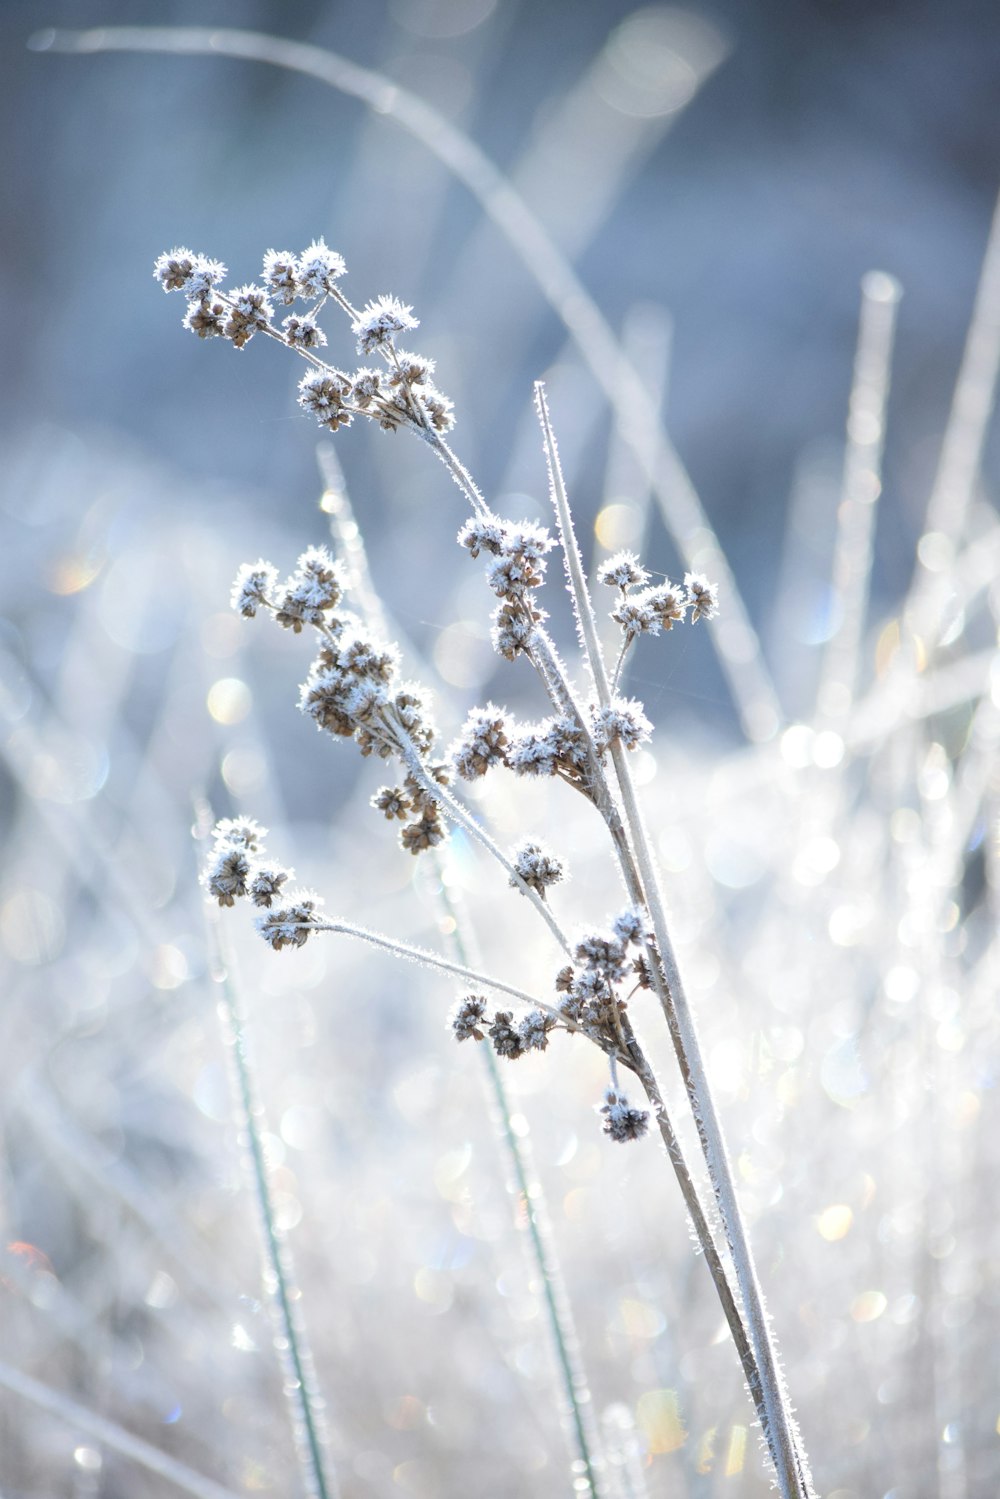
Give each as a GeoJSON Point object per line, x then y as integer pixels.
{"type": "Point", "coordinates": [267, 882]}
{"type": "Point", "coordinates": [174, 269]}
{"type": "Point", "coordinates": [623, 570]}
{"type": "Point", "coordinates": [291, 925]}
{"type": "Point", "coordinates": [319, 270]}
{"type": "Point", "coordinates": [621, 1122]}
{"type": "Point", "coordinates": [281, 272]}
{"type": "Point", "coordinates": [377, 324]}
{"type": "Point", "coordinates": [242, 832]}
{"type": "Point", "coordinates": [226, 874]}
{"type": "Point", "coordinates": [468, 1017]}
{"type": "Point", "coordinates": [250, 310]}
{"type": "Point", "coordinates": [702, 596]}
{"type": "Point", "coordinates": [326, 394]}
{"type": "Point", "coordinates": [481, 744]}
{"type": "Point", "coordinates": [254, 586]}
{"type": "Point", "coordinates": [533, 1032]}
{"type": "Point", "coordinates": [537, 867]}
{"type": "Point", "coordinates": [620, 722]}
{"type": "Point", "coordinates": [506, 1037]}
{"type": "Point", "coordinates": [303, 332]}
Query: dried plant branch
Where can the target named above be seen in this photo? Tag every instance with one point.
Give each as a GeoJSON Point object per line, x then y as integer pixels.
{"type": "Point", "coordinates": [353, 692]}
{"type": "Point", "coordinates": [638, 420]}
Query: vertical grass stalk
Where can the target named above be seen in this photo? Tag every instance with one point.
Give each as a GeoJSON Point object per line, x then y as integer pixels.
{"type": "Point", "coordinates": [562, 1333]}
{"type": "Point", "coordinates": [305, 1401]}
{"type": "Point", "coordinates": [773, 1406]}
{"type": "Point", "coordinates": [349, 546]}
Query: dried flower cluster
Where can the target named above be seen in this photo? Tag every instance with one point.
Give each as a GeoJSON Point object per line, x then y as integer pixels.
{"type": "Point", "coordinates": [401, 394]}
{"type": "Point", "coordinates": [565, 744]}
{"type": "Point", "coordinates": [353, 689]}
{"type": "Point", "coordinates": [237, 868]}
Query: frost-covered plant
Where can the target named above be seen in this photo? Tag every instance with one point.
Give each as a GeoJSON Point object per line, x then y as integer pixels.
{"type": "Point", "coordinates": [353, 691]}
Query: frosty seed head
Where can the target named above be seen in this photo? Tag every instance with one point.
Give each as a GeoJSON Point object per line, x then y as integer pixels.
{"type": "Point", "coordinates": [303, 333]}
{"type": "Point", "coordinates": [281, 273]}
{"type": "Point", "coordinates": [533, 1032]}
{"type": "Point", "coordinates": [226, 874]}
{"type": "Point", "coordinates": [291, 925]}
{"type": "Point", "coordinates": [267, 882]}
{"type": "Point", "coordinates": [621, 721]}
{"type": "Point", "coordinates": [506, 1036]}
{"type": "Point", "coordinates": [630, 926]}
{"type": "Point", "coordinates": [537, 867]}
{"type": "Point", "coordinates": [254, 587]}
{"type": "Point", "coordinates": [482, 536]}
{"type": "Point", "coordinates": [621, 1122]}
{"type": "Point", "coordinates": [392, 802]}
{"type": "Point", "coordinates": [326, 393]}
{"type": "Point", "coordinates": [468, 1017]}
{"type": "Point", "coordinates": [377, 324]}
{"type": "Point", "coordinates": [195, 275]}
{"type": "Point", "coordinates": [250, 311]}
{"type": "Point", "coordinates": [481, 744]}
{"type": "Point", "coordinates": [206, 318]}
{"type": "Point", "coordinates": [623, 570]}
{"type": "Point", "coordinates": [319, 270]}
{"type": "Point", "coordinates": [206, 276]}
{"type": "Point", "coordinates": [241, 832]}
{"type": "Point", "coordinates": [702, 596]}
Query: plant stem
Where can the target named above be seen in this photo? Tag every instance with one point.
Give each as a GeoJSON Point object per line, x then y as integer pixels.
{"type": "Point", "coordinates": [772, 1401]}
{"type": "Point", "coordinates": [560, 1318]}
{"type": "Point", "coordinates": [279, 1276]}
{"type": "Point", "coordinates": [453, 807]}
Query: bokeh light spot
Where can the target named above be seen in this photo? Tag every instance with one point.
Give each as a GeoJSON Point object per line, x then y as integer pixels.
{"type": "Point", "coordinates": [618, 525]}
{"type": "Point", "coordinates": [229, 700]}
{"type": "Point", "coordinates": [868, 1307]}
{"type": "Point", "coordinates": [736, 1451]}
{"type": "Point", "coordinates": [169, 967]}
{"type": "Point", "coordinates": [658, 1415]}
{"type": "Point", "coordinates": [835, 1222]}
{"type": "Point", "coordinates": [244, 771]}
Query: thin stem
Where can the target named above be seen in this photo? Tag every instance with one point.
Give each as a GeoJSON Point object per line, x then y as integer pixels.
{"type": "Point", "coordinates": [617, 673]}
{"type": "Point", "coordinates": [453, 807]}
{"type": "Point", "coordinates": [968, 422]}
{"type": "Point", "coordinates": [860, 490]}
{"type": "Point", "coordinates": [462, 940]}
{"type": "Point", "coordinates": [699, 1222]}
{"type": "Point", "coordinates": [562, 1331]}
{"type": "Point", "coordinates": [77, 1418]}
{"type": "Point", "coordinates": [458, 472]}
{"type": "Point", "coordinates": [772, 1404]}
{"type": "Point", "coordinates": [301, 1389]}
{"type": "Point", "coordinates": [424, 956]}
{"type": "Point", "coordinates": [779, 1425]}
{"type": "Point", "coordinates": [580, 593]}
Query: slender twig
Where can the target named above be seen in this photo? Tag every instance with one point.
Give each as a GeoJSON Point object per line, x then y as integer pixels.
{"type": "Point", "coordinates": [453, 808]}
{"type": "Point", "coordinates": [772, 1400]}
{"type": "Point", "coordinates": [558, 1309]}
{"type": "Point", "coordinates": [460, 936]}
{"type": "Point", "coordinates": [300, 1388]}
{"type": "Point", "coordinates": [78, 1418]}
{"type": "Point", "coordinates": [860, 491]}
{"type": "Point", "coordinates": [426, 958]}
